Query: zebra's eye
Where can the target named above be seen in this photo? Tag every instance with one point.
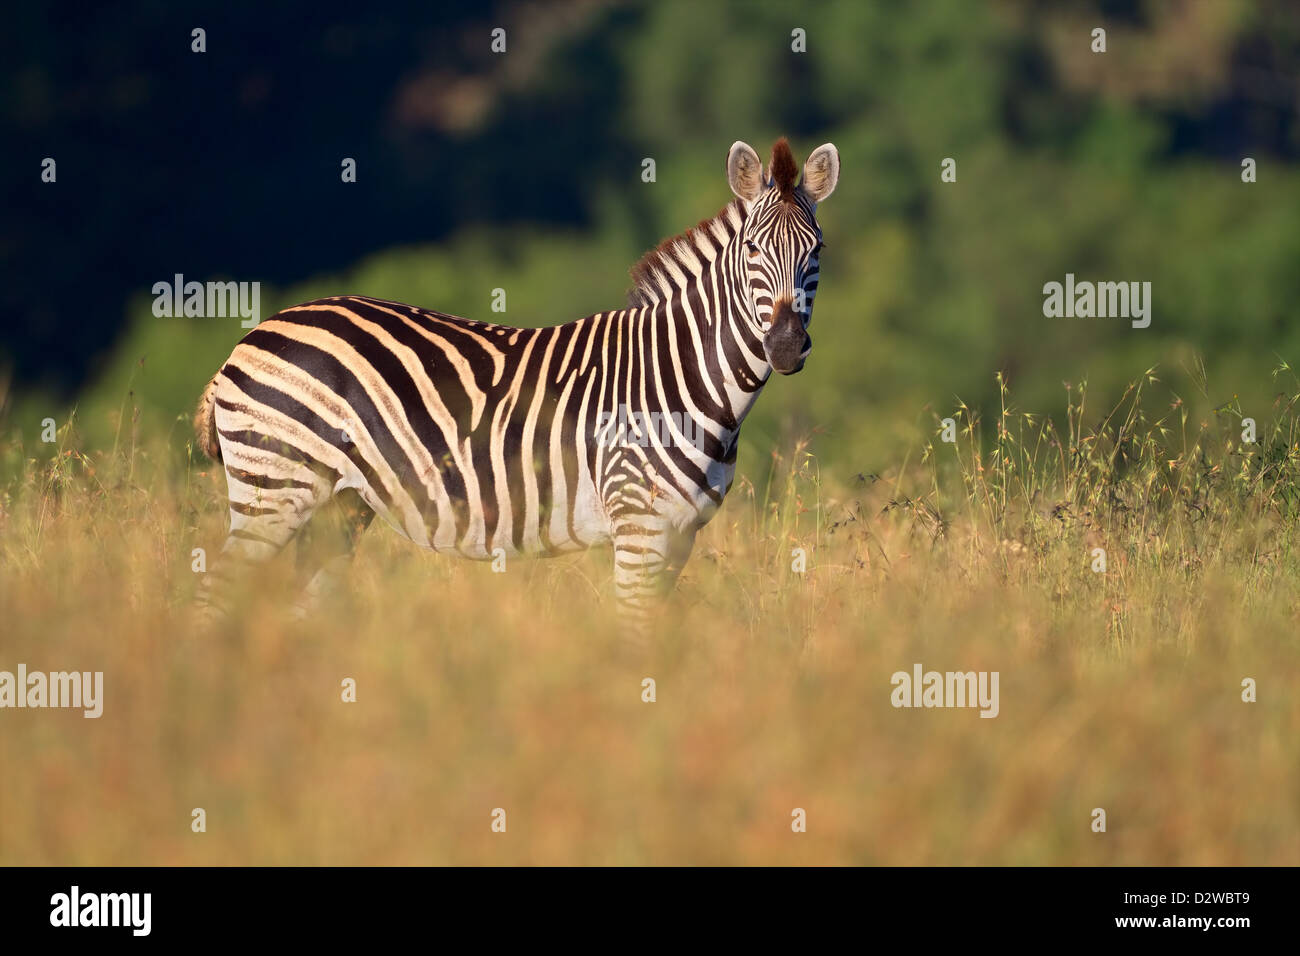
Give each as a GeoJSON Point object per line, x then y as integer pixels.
{"type": "Point", "coordinates": [753, 249]}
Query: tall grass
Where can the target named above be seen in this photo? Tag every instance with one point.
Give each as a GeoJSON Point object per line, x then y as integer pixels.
{"type": "Point", "coordinates": [1119, 690]}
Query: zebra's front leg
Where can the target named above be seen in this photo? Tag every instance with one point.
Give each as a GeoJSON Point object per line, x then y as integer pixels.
{"type": "Point", "coordinates": [648, 559]}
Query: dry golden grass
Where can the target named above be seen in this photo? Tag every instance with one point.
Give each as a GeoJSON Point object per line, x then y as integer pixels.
{"type": "Point", "coordinates": [479, 690]}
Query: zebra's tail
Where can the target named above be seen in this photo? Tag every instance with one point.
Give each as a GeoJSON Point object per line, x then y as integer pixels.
{"type": "Point", "coordinates": [205, 424]}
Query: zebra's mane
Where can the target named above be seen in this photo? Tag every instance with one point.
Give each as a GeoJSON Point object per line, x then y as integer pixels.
{"type": "Point", "coordinates": [681, 258]}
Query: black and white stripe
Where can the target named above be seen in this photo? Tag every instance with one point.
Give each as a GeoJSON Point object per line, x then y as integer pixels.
{"type": "Point", "coordinates": [469, 437]}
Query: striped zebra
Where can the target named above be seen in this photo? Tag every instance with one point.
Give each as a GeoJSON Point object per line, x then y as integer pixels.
{"type": "Point", "coordinates": [481, 439]}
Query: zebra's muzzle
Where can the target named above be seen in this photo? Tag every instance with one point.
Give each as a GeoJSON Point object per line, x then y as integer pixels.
{"type": "Point", "coordinates": [787, 342]}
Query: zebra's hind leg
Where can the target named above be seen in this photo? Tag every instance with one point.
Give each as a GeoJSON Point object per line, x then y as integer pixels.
{"type": "Point", "coordinates": [647, 563]}
{"type": "Point", "coordinates": [265, 514]}
{"type": "Point", "coordinates": [328, 544]}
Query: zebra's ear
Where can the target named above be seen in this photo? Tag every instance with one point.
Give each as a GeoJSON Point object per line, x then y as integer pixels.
{"type": "Point", "coordinates": [821, 172]}
{"type": "Point", "coordinates": [744, 171]}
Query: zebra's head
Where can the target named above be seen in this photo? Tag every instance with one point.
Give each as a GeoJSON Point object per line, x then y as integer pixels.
{"type": "Point", "coordinates": [779, 243]}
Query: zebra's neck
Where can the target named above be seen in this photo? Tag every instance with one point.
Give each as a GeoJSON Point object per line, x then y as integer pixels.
{"type": "Point", "coordinates": [696, 281]}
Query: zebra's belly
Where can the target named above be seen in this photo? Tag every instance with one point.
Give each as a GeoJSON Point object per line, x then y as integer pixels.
{"type": "Point", "coordinates": [501, 520]}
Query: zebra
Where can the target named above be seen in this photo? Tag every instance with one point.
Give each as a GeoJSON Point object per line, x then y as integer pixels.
{"type": "Point", "coordinates": [487, 440]}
